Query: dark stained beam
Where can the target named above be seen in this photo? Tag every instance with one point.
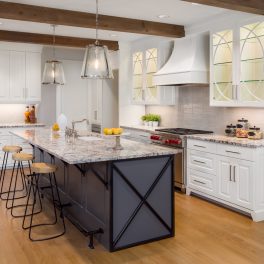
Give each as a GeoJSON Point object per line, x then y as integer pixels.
{"type": "Point", "coordinates": [55, 16]}
{"type": "Point", "coordinates": [44, 39]}
{"type": "Point", "coordinates": [249, 6]}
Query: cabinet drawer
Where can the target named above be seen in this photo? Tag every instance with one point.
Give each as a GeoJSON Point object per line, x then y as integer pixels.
{"type": "Point", "coordinates": [201, 145]}
{"type": "Point", "coordinates": [201, 181]}
{"type": "Point", "coordinates": [235, 151]}
{"type": "Point", "coordinates": [202, 161]}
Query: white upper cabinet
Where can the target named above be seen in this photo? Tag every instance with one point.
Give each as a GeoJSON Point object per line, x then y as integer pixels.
{"type": "Point", "coordinates": [17, 76]}
{"type": "Point", "coordinates": [147, 59]}
{"type": "Point", "coordinates": [4, 75]}
{"type": "Point", "coordinates": [20, 72]}
{"type": "Point", "coordinates": [33, 77]}
{"type": "Point", "coordinates": [237, 63]}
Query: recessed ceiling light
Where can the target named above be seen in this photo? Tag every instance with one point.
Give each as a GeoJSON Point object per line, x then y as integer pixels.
{"type": "Point", "coordinates": [1, 23]}
{"type": "Point", "coordinates": [195, 4]}
{"type": "Point", "coordinates": [163, 16]}
{"type": "Point", "coordinates": [113, 35]}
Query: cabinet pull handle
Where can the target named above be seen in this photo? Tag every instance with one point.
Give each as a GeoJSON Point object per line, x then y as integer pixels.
{"type": "Point", "coordinates": [199, 146]}
{"type": "Point", "coordinates": [234, 173]}
{"type": "Point", "coordinates": [199, 182]}
{"type": "Point", "coordinates": [233, 152]}
{"type": "Point", "coordinates": [230, 173]}
{"type": "Point", "coordinates": [198, 161]}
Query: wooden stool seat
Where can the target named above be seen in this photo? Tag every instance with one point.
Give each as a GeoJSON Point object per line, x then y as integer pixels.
{"type": "Point", "coordinates": [43, 168]}
{"type": "Point", "coordinates": [12, 149]}
{"type": "Point", "coordinates": [22, 156]}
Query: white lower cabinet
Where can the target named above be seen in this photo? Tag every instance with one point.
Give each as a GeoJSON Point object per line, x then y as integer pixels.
{"type": "Point", "coordinates": [235, 182]}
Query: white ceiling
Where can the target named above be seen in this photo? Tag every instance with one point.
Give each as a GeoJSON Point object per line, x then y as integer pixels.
{"type": "Point", "coordinates": [181, 13]}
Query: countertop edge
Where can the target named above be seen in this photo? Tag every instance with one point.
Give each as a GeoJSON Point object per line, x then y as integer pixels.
{"type": "Point", "coordinates": [247, 143]}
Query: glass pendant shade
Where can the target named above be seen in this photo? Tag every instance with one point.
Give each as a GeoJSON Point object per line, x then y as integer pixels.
{"type": "Point", "coordinates": [96, 63]}
{"type": "Point", "coordinates": [53, 73]}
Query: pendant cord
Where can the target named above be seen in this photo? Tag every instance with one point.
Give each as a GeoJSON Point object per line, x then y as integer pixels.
{"type": "Point", "coordinates": [54, 41]}
{"type": "Point", "coordinates": [96, 24]}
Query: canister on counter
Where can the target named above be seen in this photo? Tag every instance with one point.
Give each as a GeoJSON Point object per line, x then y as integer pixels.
{"type": "Point", "coordinates": [255, 133]}
{"type": "Point", "coordinates": [242, 128]}
{"type": "Point", "coordinates": [230, 130]}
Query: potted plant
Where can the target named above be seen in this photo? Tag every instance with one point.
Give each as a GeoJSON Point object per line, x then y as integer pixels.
{"type": "Point", "coordinates": [149, 119]}
{"type": "Point", "coordinates": [144, 120]}
{"type": "Point", "coordinates": [156, 120]}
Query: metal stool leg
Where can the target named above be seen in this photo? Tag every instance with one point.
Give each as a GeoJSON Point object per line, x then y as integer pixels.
{"type": "Point", "coordinates": [31, 226]}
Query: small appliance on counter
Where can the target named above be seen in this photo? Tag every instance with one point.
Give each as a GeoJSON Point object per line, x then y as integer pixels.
{"type": "Point", "coordinates": [242, 128]}
{"type": "Point", "coordinates": [230, 130]}
{"type": "Point", "coordinates": [255, 133]}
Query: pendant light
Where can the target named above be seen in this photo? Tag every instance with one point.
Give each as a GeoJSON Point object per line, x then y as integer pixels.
{"type": "Point", "coordinates": [96, 63]}
{"type": "Point", "coordinates": [53, 69]}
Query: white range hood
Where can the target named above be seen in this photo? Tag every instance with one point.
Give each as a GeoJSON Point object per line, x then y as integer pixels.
{"type": "Point", "coordinates": [188, 64]}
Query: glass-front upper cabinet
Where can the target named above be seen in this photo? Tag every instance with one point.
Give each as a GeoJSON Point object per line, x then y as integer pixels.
{"type": "Point", "coordinates": [251, 87]}
{"type": "Point", "coordinates": [137, 93]}
{"type": "Point", "coordinates": [147, 60]}
{"type": "Point", "coordinates": [237, 66]}
{"type": "Point", "coordinates": [222, 61]}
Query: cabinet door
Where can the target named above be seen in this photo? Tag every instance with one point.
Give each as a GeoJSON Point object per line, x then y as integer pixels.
{"type": "Point", "coordinates": [223, 87]}
{"type": "Point", "coordinates": [243, 182]}
{"type": "Point", "coordinates": [17, 76]}
{"type": "Point", "coordinates": [4, 75]}
{"type": "Point", "coordinates": [33, 77]}
{"type": "Point", "coordinates": [225, 183]}
{"type": "Point", "coordinates": [252, 64]}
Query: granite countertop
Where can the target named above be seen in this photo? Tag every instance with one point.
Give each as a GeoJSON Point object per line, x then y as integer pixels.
{"type": "Point", "coordinates": [142, 128]}
{"type": "Point", "coordinates": [14, 125]}
{"type": "Point", "coordinates": [242, 142]}
{"type": "Point", "coordinates": [93, 151]}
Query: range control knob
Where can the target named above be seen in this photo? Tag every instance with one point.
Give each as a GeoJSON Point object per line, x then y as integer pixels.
{"type": "Point", "coordinates": [154, 137]}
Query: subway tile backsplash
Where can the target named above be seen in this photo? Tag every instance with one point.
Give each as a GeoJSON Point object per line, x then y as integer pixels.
{"type": "Point", "coordinates": [193, 111]}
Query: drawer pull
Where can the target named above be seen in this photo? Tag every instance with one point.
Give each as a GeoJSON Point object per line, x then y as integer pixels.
{"type": "Point", "coordinates": [233, 152]}
{"type": "Point", "coordinates": [198, 161]}
{"type": "Point", "coordinates": [198, 146]}
{"type": "Point", "coordinates": [199, 182]}
{"type": "Point", "coordinates": [230, 173]}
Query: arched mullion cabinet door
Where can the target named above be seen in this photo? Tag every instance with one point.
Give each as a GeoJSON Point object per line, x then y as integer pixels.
{"type": "Point", "coordinates": [251, 85]}
{"type": "Point", "coordinates": [138, 87]}
{"type": "Point", "coordinates": [223, 90]}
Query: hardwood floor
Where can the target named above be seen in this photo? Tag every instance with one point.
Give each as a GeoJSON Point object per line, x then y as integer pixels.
{"type": "Point", "coordinates": [205, 233]}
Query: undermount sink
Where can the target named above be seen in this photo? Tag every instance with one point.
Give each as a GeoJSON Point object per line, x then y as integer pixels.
{"type": "Point", "coordinates": [90, 138]}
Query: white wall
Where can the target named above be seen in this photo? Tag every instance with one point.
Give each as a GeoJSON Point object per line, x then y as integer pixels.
{"type": "Point", "coordinates": [12, 113]}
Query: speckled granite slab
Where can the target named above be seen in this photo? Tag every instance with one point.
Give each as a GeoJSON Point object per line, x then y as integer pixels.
{"type": "Point", "coordinates": [93, 151]}
{"type": "Point", "coordinates": [242, 142]}
{"type": "Point", "coordinates": [143, 128]}
{"type": "Point", "coordinates": [14, 125]}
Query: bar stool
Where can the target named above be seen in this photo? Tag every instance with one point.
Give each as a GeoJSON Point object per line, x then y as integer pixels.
{"type": "Point", "coordinates": [40, 169]}
{"type": "Point", "coordinates": [7, 150]}
{"type": "Point", "coordinates": [19, 158]}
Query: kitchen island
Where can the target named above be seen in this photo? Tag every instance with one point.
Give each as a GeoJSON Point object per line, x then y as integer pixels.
{"type": "Point", "coordinates": [124, 197]}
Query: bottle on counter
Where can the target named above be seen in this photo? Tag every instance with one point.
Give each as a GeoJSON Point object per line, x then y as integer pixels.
{"type": "Point", "coordinates": [27, 114]}
{"type": "Point", "coordinates": [255, 133]}
{"type": "Point", "coordinates": [242, 128]}
{"type": "Point", "coordinates": [32, 115]}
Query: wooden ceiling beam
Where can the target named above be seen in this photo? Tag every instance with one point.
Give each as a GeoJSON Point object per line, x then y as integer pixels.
{"type": "Point", "coordinates": [55, 16]}
{"type": "Point", "coordinates": [249, 6]}
{"type": "Point", "coordinates": [44, 39]}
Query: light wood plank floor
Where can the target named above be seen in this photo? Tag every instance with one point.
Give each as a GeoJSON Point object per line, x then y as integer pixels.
{"type": "Point", "coordinates": [205, 233]}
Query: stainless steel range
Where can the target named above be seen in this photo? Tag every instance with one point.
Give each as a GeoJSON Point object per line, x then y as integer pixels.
{"type": "Point", "coordinates": [176, 138]}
